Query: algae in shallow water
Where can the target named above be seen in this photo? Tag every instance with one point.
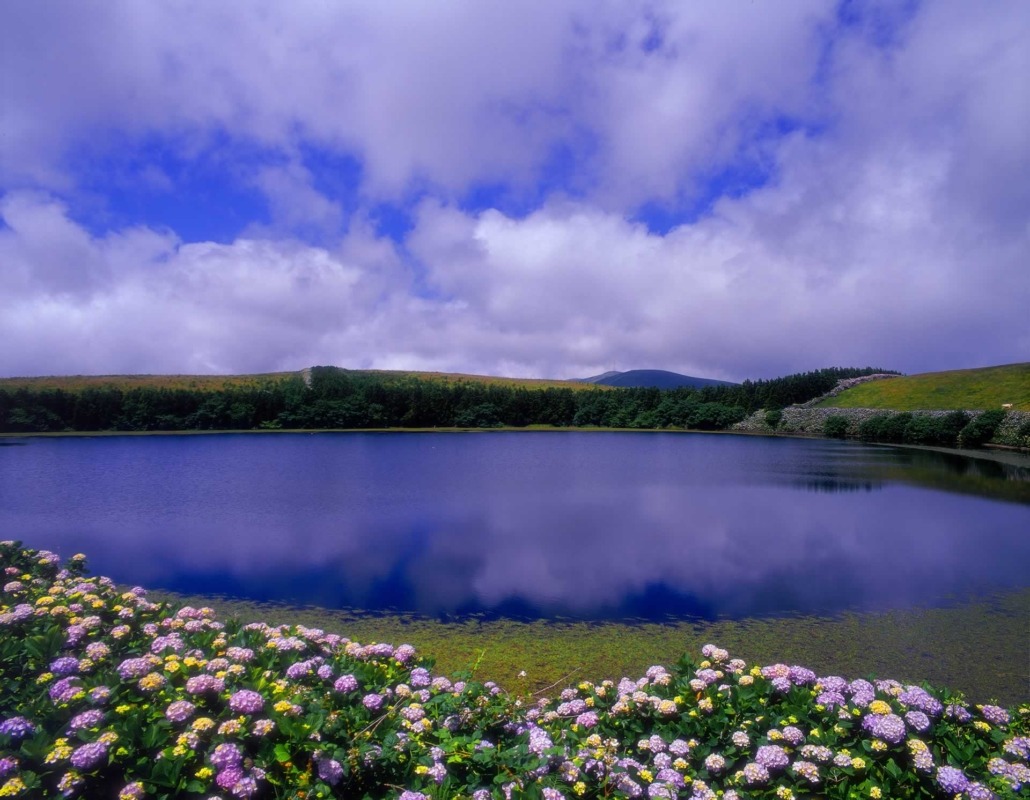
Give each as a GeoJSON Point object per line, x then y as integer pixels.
{"type": "Point", "coordinates": [978, 646]}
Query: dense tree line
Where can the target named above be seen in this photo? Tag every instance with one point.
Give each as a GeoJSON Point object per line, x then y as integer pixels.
{"type": "Point", "coordinates": [338, 398]}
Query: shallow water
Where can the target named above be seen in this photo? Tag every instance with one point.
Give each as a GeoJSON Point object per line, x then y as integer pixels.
{"type": "Point", "coordinates": [590, 525]}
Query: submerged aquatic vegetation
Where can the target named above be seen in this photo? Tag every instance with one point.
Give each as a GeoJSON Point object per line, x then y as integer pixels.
{"type": "Point", "coordinates": [104, 693]}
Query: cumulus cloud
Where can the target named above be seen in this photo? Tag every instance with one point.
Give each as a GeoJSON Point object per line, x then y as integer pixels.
{"type": "Point", "coordinates": [882, 218]}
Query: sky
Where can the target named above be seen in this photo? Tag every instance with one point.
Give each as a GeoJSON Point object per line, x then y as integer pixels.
{"type": "Point", "coordinates": [531, 189]}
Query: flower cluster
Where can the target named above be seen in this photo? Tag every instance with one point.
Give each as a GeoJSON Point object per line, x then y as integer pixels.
{"type": "Point", "coordinates": [106, 694]}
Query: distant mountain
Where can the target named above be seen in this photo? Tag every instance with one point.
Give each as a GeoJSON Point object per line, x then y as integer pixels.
{"type": "Point", "coordinates": [653, 378]}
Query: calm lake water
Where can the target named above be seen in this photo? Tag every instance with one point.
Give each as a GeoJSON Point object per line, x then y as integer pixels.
{"type": "Point", "coordinates": [591, 525]}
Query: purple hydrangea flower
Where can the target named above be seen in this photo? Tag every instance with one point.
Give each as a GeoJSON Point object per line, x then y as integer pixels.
{"type": "Point", "coordinates": [17, 728]}
{"type": "Point", "coordinates": [539, 741]}
{"type": "Point", "coordinates": [588, 719]}
{"type": "Point", "coordinates": [755, 774]}
{"type": "Point", "coordinates": [373, 701]}
{"type": "Point", "coordinates": [229, 776]}
{"type": "Point", "coordinates": [420, 677]}
{"type": "Point", "coordinates": [952, 780]}
{"type": "Point", "coordinates": [86, 720]}
{"type": "Point", "coordinates": [889, 727]}
{"type": "Point", "coordinates": [8, 764]}
{"type": "Point", "coordinates": [346, 683]}
{"type": "Point", "coordinates": [995, 714]}
{"type": "Point", "coordinates": [246, 701]}
{"type": "Point", "coordinates": [830, 699]}
{"type": "Point", "coordinates": [330, 770]}
{"type": "Point", "coordinates": [225, 755]}
{"type": "Point", "coordinates": [179, 711]}
{"type": "Point", "coordinates": [918, 699]}
{"type": "Point", "coordinates": [65, 690]}
{"type": "Point", "coordinates": [404, 653]}
{"type": "Point", "coordinates": [204, 684]}
{"type": "Point", "coordinates": [772, 757]}
{"type": "Point", "coordinates": [801, 676]}
{"type": "Point", "coordinates": [917, 721]}
{"type": "Point", "coordinates": [66, 665]}
{"type": "Point", "coordinates": [89, 755]}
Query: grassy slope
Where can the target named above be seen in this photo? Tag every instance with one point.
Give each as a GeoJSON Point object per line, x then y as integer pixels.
{"type": "Point", "coordinates": [965, 389]}
{"type": "Point", "coordinates": [489, 380]}
{"type": "Point", "coordinates": [213, 383]}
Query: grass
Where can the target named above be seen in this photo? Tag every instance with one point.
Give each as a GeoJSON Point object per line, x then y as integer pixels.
{"type": "Point", "coordinates": [955, 390]}
{"type": "Point", "coordinates": [944, 646]}
{"type": "Point", "coordinates": [211, 383]}
{"type": "Point", "coordinates": [486, 380]}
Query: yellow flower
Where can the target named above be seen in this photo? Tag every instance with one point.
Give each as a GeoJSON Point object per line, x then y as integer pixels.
{"type": "Point", "coordinates": [880, 707]}
{"type": "Point", "coordinates": [645, 775]}
{"type": "Point", "coordinates": [45, 601]}
{"type": "Point", "coordinates": [201, 724]}
{"type": "Point", "coordinates": [46, 677]}
{"type": "Point", "coordinates": [12, 788]}
{"type": "Point", "coordinates": [980, 725]}
{"type": "Point", "coordinates": [579, 787]}
{"type": "Point", "coordinates": [875, 793]}
{"type": "Point", "coordinates": [122, 709]}
{"type": "Point", "coordinates": [204, 773]}
{"type": "Point", "coordinates": [879, 746]}
{"type": "Point", "coordinates": [108, 737]}
{"type": "Point", "coordinates": [858, 763]}
{"type": "Point", "coordinates": [60, 752]}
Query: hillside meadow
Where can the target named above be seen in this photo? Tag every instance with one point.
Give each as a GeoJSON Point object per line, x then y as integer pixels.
{"type": "Point", "coordinates": [956, 390]}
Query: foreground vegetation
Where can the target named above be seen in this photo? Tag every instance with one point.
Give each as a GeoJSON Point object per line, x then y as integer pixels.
{"type": "Point", "coordinates": [956, 390]}
{"type": "Point", "coordinates": [104, 693]}
{"type": "Point", "coordinates": [332, 398]}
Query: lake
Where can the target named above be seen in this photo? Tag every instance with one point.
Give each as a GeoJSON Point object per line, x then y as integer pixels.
{"type": "Point", "coordinates": [591, 525]}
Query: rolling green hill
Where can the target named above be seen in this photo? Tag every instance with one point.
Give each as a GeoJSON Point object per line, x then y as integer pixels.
{"type": "Point", "coordinates": [964, 389]}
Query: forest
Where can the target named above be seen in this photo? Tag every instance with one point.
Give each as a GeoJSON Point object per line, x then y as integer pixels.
{"type": "Point", "coordinates": [336, 398]}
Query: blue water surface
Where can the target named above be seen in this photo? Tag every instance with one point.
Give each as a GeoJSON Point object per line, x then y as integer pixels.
{"type": "Point", "coordinates": [527, 524]}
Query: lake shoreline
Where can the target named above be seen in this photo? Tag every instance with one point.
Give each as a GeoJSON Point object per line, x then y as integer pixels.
{"type": "Point", "coordinates": [996, 453]}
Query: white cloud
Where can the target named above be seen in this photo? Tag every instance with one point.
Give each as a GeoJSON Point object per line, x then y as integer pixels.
{"type": "Point", "coordinates": [893, 229]}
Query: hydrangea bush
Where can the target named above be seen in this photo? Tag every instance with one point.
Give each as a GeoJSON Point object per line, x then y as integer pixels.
{"type": "Point", "coordinates": [106, 694]}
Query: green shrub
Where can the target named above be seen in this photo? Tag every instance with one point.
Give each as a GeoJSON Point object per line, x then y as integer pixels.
{"type": "Point", "coordinates": [773, 417]}
{"type": "Point", "coordinates": [1023, 434]}
{"type": "Point", "coordinates": [836, 427]}
{"type": "Point", "coordinates": [981, 428]}
{"type": "Point", "coordinates": [931, 430]}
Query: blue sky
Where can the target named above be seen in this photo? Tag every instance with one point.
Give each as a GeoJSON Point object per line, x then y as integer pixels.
{"type": "Point", "coordinates": [550, 189]}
